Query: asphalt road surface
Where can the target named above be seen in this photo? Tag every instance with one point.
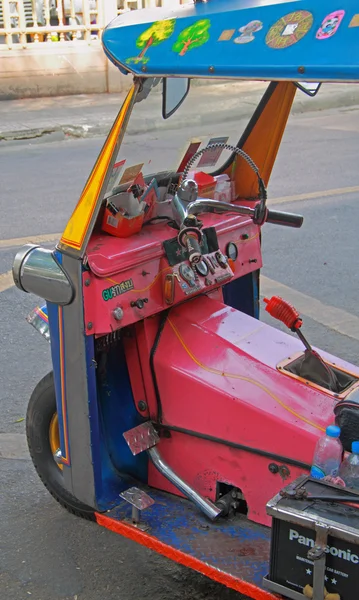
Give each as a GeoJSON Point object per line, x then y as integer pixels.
{"type": "Point", "coordinates": [45, 553]}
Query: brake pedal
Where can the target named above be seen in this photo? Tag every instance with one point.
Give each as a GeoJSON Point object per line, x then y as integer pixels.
{"type": "Point", "coordinates": [141, 438]}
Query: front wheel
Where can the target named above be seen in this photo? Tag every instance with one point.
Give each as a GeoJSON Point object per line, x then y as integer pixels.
{"type": "Point", "coordinates": [43, 441]}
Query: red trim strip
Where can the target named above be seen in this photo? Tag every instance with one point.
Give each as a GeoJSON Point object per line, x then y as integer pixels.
{"type": "Point", "coordinates": [248, 589]}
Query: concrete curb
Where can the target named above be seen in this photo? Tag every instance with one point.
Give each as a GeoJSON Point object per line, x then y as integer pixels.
{"type": "Point", "coordinates": [146, 124]}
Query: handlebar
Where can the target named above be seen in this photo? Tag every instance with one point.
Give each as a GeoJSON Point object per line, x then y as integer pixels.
{"type": "Point", "coordinates": [284, 218]}
{"type": "Point", "coordinates": [271, 216]}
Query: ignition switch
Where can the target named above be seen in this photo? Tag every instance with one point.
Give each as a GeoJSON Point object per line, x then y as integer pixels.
{"type": "Point", "coordinates": [140, 302]}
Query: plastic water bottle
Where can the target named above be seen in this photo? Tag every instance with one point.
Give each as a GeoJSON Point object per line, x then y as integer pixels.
{"type": "Point", "coordinates": [349, 469]}
{"type": "Point", "coordinates": [328, 454]}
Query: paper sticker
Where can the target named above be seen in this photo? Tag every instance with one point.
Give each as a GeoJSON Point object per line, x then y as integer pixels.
{"type": "Point", "coordinates": [117, 290]}
{"type": "Point", "coordinates": [289, 29]}
{"type": "Point", "coordinates": [211, 157]}
{"type": "Point", "coordinates": [355, 21]}
{"type": "Point", "coordinates": [190, 152]}
{"type": "Point", "coordinates": [247, 32]}
{"type": "Point", "coordinates": [330, 25]}
{"type": "Point", "coordinates": [226, 35]}
{"type": "Point", "coordinates": [131, 173]}
{"type": "Point", "coordinates": [115, 175]}
{"type": "Point", "coordinates": [112, 221]}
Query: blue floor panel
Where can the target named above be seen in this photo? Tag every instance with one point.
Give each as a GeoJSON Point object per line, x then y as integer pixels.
{"type": "Point", "coordinates": [234, 546]}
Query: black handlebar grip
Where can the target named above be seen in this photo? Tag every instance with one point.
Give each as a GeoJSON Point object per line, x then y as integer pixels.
{"type": "Point", "coordinates": [283, 218]}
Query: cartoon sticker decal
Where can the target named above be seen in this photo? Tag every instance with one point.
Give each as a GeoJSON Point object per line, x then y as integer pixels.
{"type": "Point", "coordinates": [226, 35]}
{"type": "Point", "coordinates": [330, 25]}
{"type": "Point", "coordinates": [247, 32]}
{"type": "Point", "coordinates": [159, 32]}
{"type": "Point", "coordinates": [192, 37]}
{"type": "Point", "coordinates": [288, 30]}
{"type": "Point", "coordinates": [355, 21]}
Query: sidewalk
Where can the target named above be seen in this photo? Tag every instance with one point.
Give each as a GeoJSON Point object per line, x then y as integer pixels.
{"type": "Point", "coordinates": [93, 115]}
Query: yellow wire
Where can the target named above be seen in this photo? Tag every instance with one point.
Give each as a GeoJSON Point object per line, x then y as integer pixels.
{"type": "Point", "coordinates": [149, 285]}
{"type": "Point", "coordinates": [234, 376]}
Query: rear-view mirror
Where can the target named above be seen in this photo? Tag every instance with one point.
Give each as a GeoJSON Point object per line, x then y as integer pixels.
{"type": "Point", "coordinates": [175, 90]}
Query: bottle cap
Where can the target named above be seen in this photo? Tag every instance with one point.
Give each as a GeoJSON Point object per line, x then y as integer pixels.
{"type": "Point", "coordinates": [333, 431]}
{"type": "Point", "coordinates": [355, 447]}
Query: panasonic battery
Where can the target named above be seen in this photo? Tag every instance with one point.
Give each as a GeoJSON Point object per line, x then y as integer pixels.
{"type": "Point", "coordinates": [315, 541]}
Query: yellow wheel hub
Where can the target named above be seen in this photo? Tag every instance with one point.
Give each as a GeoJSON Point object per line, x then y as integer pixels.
{"type": "Point", "coordinates": [54, 436]}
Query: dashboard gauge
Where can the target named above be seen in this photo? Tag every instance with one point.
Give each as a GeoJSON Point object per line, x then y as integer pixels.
{"type": "Point", "coordinates": [187, 274]}
{"type": "Point", "coordinates": [202, 268]}
{"type": "Point", "coordinates": [232, 251]}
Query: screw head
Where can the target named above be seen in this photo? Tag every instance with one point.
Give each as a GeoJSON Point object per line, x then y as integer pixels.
{"type": "Point", "coordinates": [273, 468]}
{"type": "Point", "coordinates": [89, 325]}
{"type": "Point", "coordinates": [284, 471]}
{"type": "Point", "coordinates": [87, 282]}
{"type": "Point", "coordinates": [142, 405]}
{"type": "Point", "coordinates": [118, 313]}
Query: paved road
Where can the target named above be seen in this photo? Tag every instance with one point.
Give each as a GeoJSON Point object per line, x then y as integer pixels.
{"type": "Point", "coordinates": [47, 554]}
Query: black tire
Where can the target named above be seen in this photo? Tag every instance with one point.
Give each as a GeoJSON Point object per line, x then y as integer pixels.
{"type": "Point", "coordinates": [41, 409]}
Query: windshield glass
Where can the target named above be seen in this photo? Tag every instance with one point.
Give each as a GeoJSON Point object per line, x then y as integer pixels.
{"type": "Point", "coordinates": [212, 112]}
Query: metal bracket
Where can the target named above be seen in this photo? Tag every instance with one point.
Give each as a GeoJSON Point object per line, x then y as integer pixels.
{"type": "Point", "coordinates": [141, 438]}
{"type": "Point", "coordinates": [139, 501]}
{"type": "Point", "coordinates": [318, 556]}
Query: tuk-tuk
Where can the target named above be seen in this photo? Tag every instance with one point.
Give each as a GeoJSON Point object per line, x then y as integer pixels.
{"type": "Point", "coordinates": [174, 416]}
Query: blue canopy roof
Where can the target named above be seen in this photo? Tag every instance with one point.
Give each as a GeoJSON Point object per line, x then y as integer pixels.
{"type": "Point", "coordinates": [245, 39]}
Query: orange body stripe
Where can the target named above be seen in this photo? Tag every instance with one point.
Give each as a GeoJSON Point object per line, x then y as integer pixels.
{"type": "Point", "coordinates": [136, 535]}
{"type": "Point", "coordinates": [66, 458]}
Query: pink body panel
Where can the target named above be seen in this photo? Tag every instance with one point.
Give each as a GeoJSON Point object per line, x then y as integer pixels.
{"type": "Point", "coordinates": [216, 375]}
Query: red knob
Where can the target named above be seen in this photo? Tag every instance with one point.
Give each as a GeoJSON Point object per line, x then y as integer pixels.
{"type": "Point", "coordinates": [283, 311]}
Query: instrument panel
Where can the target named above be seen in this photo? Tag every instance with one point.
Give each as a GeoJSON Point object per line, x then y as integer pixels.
{"type": "Point", "coordinates": [130, 279]}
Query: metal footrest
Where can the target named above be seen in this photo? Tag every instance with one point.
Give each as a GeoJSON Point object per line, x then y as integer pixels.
{"type": "Point", "coordinates": [139, 501]}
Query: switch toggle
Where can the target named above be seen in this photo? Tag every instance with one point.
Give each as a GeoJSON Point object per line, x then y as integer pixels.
{"type": "Point", "coordinates": [221, 259]}
{"type": "Point", "coordinates": [140, 302]}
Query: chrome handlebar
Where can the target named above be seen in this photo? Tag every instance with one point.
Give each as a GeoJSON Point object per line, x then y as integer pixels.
{"type": "Point", "coordinates": [185, 204]}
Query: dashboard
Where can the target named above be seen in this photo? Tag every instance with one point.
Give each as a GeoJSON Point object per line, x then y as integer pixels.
{"type": "Point", "coordinates": [129, 279]}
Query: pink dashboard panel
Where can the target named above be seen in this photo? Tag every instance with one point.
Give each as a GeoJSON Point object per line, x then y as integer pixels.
{"type": "Point", "coordinates": [133, 278]}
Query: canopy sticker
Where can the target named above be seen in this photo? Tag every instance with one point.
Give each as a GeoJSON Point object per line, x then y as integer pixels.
{"type": "Point", "coordinates": [330, 25]}
{"type": "Point", "coordinates": [247, 32]}
{"type": "Point", "coordinates": [159, 32]}
{"type": "Point", "coordinates": [355, 21]}
{"type": "Point", "coordinates": [226, 35]}
{"type": "Point", "coordinates": [192, 37]}
{"type": "Point", "coordinates": [288, 30]}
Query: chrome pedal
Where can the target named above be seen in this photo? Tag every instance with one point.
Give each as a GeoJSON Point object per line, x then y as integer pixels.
{"type": "Point", "coordinates": [141, 438]}
{"type": "Point", "coordinates": [139, 501]}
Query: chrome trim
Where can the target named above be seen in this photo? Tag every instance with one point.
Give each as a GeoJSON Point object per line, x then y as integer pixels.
{"type": "Point", "coordinates": [18, 260]}
{"type": "Point", "coordinates": [36, 270]}
{"type": "Point", "coordinates": [215, 205]}
{"type": "Point", "coordinates": [58, 457]}
{"type": "Point", "coordinates": [79, 477]}
{"type": "Point", "coordinates": [206, 506]}
{"type": "Point", "coordinates": [186, 194]}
